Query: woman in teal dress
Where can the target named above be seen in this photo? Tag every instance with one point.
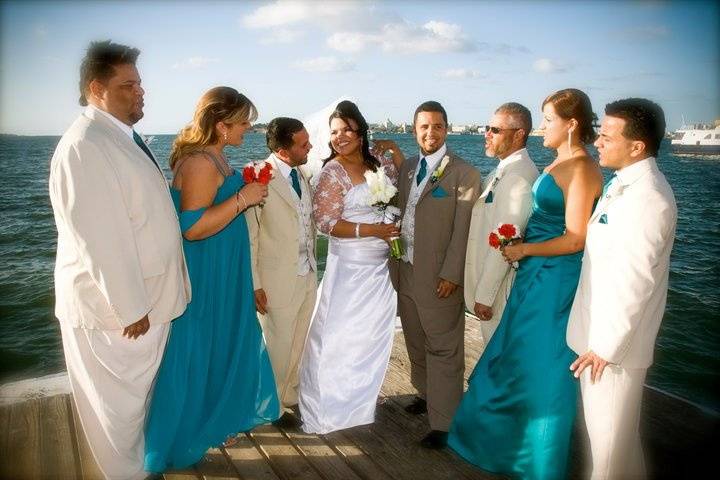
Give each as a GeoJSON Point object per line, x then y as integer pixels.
{"type": "Point", "coordinates": [215, 379]}
{"type": "Point", "coordinates": [517, 415]}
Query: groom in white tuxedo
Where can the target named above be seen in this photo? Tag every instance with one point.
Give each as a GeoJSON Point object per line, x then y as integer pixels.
{"type": "Point", "coordinates": [282, 239]}
{"type": "Point", "coordinates": [620, 299]}
{"type": "Point", "coordinates": [120, 274]}
{"type": "Point", "coordinates": [506, 198]}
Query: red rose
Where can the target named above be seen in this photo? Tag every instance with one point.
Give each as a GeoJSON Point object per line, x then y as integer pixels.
{"type": "Point", "coordinates": [507, 230]}
{"type": "Point", "coordinates": [249, 173]}
{"type": "Point", "coordinates": [494, 240]}
{"type": "Point", "coordinates": [265, 176]}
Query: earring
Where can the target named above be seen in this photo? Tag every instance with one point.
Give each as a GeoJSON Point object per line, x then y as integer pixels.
{"type": "Point", "coordinates": [570, 142]}
{"type": "Point", "coordinates": [225, 136]}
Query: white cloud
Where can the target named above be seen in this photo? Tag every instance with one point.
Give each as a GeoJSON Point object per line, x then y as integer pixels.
{"type": "Point", "coordinates": [355, 26]}
{"type": "Point", "coordinates": [460, 74]}
{"type": "Point", "coordinates": [405, 38]}
{"type": "Point", "coordinates": [194, 63]}
{"type": "Point", "coordinates": [288, 12]}
{"type": "Point", "coordinates": [546, 65]}
{"type": "Point", "coordinates": [281, 35]}
{"type": "Point", "coordinates": [324, 65]}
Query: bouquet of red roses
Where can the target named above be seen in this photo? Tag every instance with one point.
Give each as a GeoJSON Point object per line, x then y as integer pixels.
{"type": "Point", "coordinates": [261, 172]}
{"type": "Point", "coordinates": [504, 235]}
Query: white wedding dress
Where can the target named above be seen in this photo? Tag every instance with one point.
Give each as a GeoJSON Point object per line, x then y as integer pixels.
{"type": "Point", "coordinates": [349, 342]}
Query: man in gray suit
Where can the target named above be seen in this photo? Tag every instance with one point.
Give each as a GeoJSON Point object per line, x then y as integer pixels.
{"type": "Point", "coordinates": [437, 190]}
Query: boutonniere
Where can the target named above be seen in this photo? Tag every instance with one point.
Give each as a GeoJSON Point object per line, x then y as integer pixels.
{"type": "Point", "coordinates": [438, 173]}
{"type": "Point", "coordinates": [489, 196]}
{"type": "Point", "coordinates": [616, 188]}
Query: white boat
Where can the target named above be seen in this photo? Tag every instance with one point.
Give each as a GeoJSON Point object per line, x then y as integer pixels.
{"type": "Point", "coordinates": [697, 139]}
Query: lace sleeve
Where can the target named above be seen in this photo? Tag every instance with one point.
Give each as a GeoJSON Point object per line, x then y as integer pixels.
{"type": "Point", "coordinates": [329, 196]}
{"type": "Point", "coordinates": [389, 167]}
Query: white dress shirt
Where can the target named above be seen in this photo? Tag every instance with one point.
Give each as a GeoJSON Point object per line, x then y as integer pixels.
{"type": "Point", "coordinates": [408, 221]}
{"type": "Point", "coordinates": [127, 129]}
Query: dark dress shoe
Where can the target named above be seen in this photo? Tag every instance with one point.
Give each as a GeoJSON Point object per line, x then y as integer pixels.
{"type": "Point", "coordinates": [288, 421]}
{"type": "Point", "coordinates": [435, 440]}
{"type": "Point", "coordinates": [417, 407]}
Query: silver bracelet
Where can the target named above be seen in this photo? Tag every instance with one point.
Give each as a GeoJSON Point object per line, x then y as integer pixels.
{"type": "Point", "coordinates": [357, 230]}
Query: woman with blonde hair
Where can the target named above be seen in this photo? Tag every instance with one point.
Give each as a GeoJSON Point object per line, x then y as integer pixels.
{"type": "Point", "coordinates": [215, 379]}
{"type": "Point", "coordinates": [518, 412]}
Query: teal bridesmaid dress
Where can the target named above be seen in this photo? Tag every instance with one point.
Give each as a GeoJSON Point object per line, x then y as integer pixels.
{"type": "Point", "coordinates": [517, 415]}
{"type": "Point", "coordinates": [215, 379]}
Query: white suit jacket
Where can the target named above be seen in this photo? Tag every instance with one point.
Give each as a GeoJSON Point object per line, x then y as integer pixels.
{"type": "Point", "coordinates": [488, 277]}
{"type": "Point", "coordinates": [119, 251]}
{"type": "Point", "coordinates": [620, 300]}
{"type": "Point", "coordinates": [274, 239]}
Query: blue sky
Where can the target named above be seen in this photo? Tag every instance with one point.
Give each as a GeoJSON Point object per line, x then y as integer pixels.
{"type": "Point", "coordinates": [293, 58]}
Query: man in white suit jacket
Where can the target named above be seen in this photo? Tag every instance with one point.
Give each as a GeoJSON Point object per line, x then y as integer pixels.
{"type": "Point", "coordinates": [282, 239]}
{"type": "Point", "coordinates": [506, 198]}
{"type": "Point", "coordinates": [620, 299]}
{"type": "Point", "coordinates": [120, 275]}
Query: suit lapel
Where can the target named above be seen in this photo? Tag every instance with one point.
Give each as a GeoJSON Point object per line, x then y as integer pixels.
{"type": "Point", "coordinates": [122, 139]}
{"type": "Point", "coordinates": [405, 180]}
{"type": "Point", "coordinates": [603, 204]}
{"type": "Point", "coordinates": [430, 185]}
{"type": "Point", "coordinates": [282, 188]}
{"type": "Point", "coordinates": [490, 184]}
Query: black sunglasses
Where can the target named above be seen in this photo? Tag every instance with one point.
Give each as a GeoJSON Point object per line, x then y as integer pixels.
{"type": "Point", "coordinates": [496, 130]}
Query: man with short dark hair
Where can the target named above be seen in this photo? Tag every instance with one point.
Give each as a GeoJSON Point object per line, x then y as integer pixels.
{"type": "Point", "coordinates": [506, 198]}
{"type": "Point", "coordinates": [282, 239]}
{"type": "Point", "coordinates": [120, 274]}
{"type": "Point", "coordinates": [437, 190]}
{"type": "Point", "coordinates": [621, 297]}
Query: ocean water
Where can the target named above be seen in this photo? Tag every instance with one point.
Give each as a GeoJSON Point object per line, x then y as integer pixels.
{"type": "Point", "coordinates": [687, 360]}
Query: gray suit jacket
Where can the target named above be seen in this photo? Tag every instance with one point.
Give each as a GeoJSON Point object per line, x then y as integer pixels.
{"type": "Point", "coordinates": [441, 230]}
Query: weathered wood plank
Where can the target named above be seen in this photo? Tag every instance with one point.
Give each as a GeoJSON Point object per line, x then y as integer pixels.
{"type": "Point", "coordinates": [283, 456]}
{"type": "Point", "coordinates": [88, 466]}
{"type": "Point", "coordinates": [356, 457]}
{"type": "Point", "coordinates": [57, 442]}
{"type": "Point", "coordinates": [325, 460]}
{"type": "Point", "coordinates": [25, 460]}
{"type": "Point", "coordinates": [249, 461]}
{"type": "Point", "coordinates": [216, 466]}
{"type": "Point", "coordinates": [7, 443]}
{"type": "Point", "coordinates": [184, 475]}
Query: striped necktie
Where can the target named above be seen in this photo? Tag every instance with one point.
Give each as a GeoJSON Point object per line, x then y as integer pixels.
{"type": "Point", "coordinates": [141, 144]}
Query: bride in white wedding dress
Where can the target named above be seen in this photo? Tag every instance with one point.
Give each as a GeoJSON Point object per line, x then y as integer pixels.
{"type": "Point", "coordinates": [349, 342]}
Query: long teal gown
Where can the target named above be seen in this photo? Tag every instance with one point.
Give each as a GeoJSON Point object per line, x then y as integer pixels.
{"type": "Point", "coordinates": [215, 378]}
{"type": "Point", "coordinates": [517, 415]}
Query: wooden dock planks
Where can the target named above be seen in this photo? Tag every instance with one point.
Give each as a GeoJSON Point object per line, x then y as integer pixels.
{"type": "Point", "coordinates": [43, 438]}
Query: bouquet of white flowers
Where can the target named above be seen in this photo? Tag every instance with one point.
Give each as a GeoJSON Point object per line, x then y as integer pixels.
{"type": "Point", "coordinates": [381, 193]}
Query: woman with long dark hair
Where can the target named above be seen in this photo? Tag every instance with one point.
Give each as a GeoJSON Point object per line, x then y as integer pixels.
{"type": "Point", "coordinates": [517, 414]}
{"type": "Point", "coordinates": [350, 338]}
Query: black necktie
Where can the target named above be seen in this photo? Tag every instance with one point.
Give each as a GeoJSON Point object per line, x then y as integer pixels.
{"type": "Point", "coordinates": [144, 148]}
{"type": "Point", "coordinates": [295, 182]}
